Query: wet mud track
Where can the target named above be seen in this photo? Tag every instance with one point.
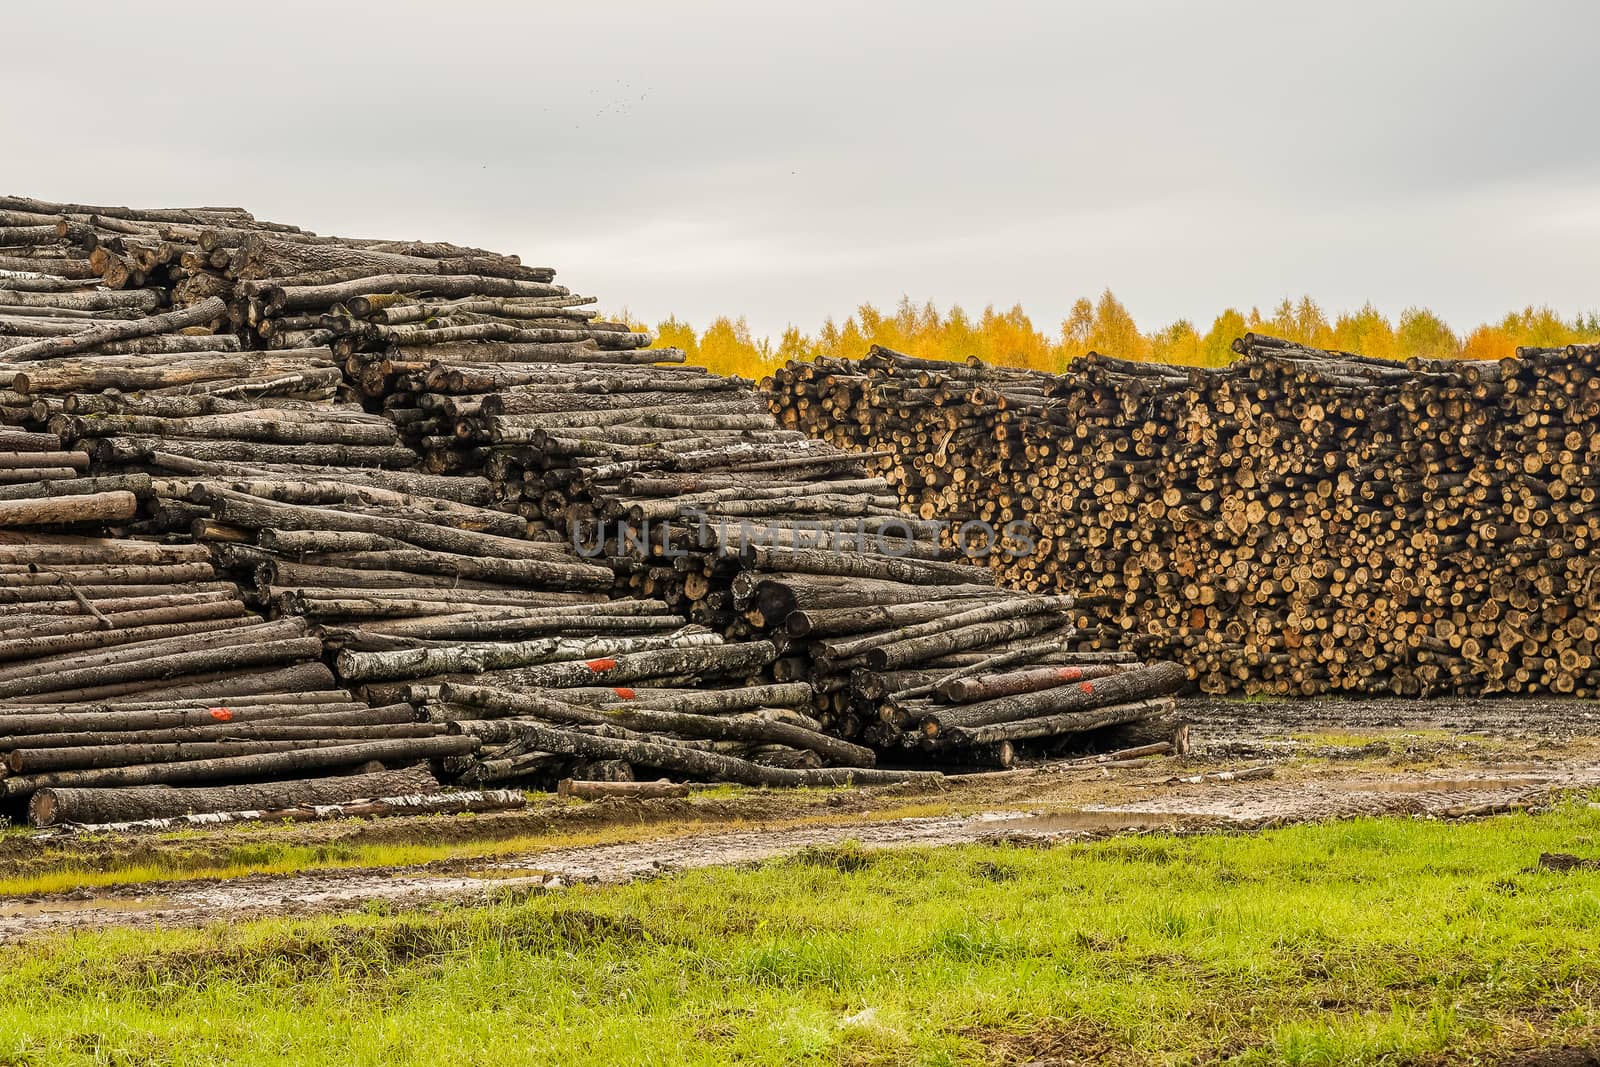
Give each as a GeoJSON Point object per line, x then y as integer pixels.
{"type": "Point", "coordinates": [1155, 804]}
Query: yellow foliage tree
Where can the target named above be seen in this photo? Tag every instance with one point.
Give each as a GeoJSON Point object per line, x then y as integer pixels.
{"type": "Point", "coordinates": [1009, 337]}
{"type": "Point", "coordinates": [1424, 335]}
{"type": "Point", "coordinates": [1366, 333]}
{"type": "Point", "coordinates": [1115, 332]}
{"type": "Point", "coordinates": [1077, 330]}
{"type": "Point", "coordinates": [1178, 343]}
{"type": "Point", "coordinates": [1489, 342]}
{"type": "Point", "coordinates": [1216, 347]}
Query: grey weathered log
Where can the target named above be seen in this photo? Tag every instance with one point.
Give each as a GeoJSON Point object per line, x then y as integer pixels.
{"type": "Point", "coordinates": [453, 803]}
{"type": "Point", "coordinates": [252, 632]}
{"type": "Point", "coordinates": [989, 686]}
{"type": "Point", "coordinates": [28, 726]}
{"type": "Point", "coordinates": [1057, 725]}
{"type": "Point", "coordinates": [33, 648]}
{"type": "Point", "coordinates": [683, 724]}
{"type": "Point", "coordinates": [696, 701]}
{"type": "Point", "coordinates": [700, 764]}
{"type": "Point", "coordinates": [136, 449]}
{"type": "Point", "coordinates": [956, 617]}
{"type": "Point", "coordinates": [863, 565]}
{"type": "Point", "coordinates": [1143, 683]}
{"type": "Point", "coordinates": [477, 658]}
{"type": "Point", "coordinates": [170, 666]}
{"type": "Point", "coordinates": [906, 652]}
{"type": "Point", "coordinates": [584, 790]}
{"type": "Point", "coordinates": [255, 513]}
{"type": "Point", "coordinates": [269, 256]}
{"type": "Point", "coordinates": [107, 805]}
{"type": "Point", "coordinates": [233, 768]}
{"type": "Point", "coordinates": [198, 315]}
{"type": "Point", "coordinates": [714, 660]}
{"type": "Point", "coordinates": [34, 761]}
{"type": "Point", "coordinates": [293, 297]}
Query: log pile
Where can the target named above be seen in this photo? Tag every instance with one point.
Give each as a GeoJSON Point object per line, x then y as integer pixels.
{"type": "Point", "coordinates": [128, 662]}
{"type": "Point", "coordinates": [302, 506]}
{"type": "Point", "coordinates": [1299, 522]}
{"type": "Point", "coordinates": [764, 537]}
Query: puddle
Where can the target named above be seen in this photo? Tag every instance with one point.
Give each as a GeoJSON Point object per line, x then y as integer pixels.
{"type": "Point", "coordinates": [1449, 785]}
{"type": "Point", "coordinates": [1096, 821]}
{"type": "Point", "coordinates": [498, 873]}
{"type": "Point", "coordinates": [1142, 807]}
{"type": "Point", "coordinates": [114, 905]}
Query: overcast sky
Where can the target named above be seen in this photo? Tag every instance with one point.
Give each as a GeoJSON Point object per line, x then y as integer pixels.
{"type": "Point", "coordinates": [788, 161]}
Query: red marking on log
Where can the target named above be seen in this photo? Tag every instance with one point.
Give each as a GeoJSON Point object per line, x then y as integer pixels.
{"type": "Point", "coordinates": [623, 692]}
{"type": "Point", "coordinates": [598, 665]}
{"type": "Point", "coordinates": [1087, 687]}
{"type": "Point", "coordinates": [222, 714]}
{"type": "Point", "coordinates": [1070, 674]}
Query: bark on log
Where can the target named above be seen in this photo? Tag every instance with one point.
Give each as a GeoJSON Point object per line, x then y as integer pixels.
{"type": "Point", "coordinates": [710, 661]}
{"type": "Point", "coordinates": [682, 724]}
{"type": "Point", "coordinates": [700, 764]}
{"type": "Point", "coordinates": [34, 761]}
{"type": "Point", "coordinates": [571, 787]}
{"type": "Point", "coordinates": [50, 807]}
{"type": "Point", "coordinates": [171, 322]}
{"type": "Point", "coordinates": [233, 768]}
{"type": "Point", "coordinates": [62, 510]}
{"type": "Point", "coordinates": [349, 726]}
{"type": "Point", "coordinates": [990, 686]}
{"type": "Point", "coordinates": [475, 659]}
{"type": "Point", "coordinates": [378, 807]}
{"type": "Point", "coordinates": [1143, 683]}
{"type": "Point", "coordinates": [1057, 725]}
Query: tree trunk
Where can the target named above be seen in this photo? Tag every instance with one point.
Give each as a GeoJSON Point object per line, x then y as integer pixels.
{"type": "Point", "coordinates": [50, 807]}
{"type": "Point", "coordinates": [700, 764]}
{"type": "Point", "coordinates": [50, 511]}
{"type": "Point", "coordinates": [1143, 683]}
{"type": "Point", "coordinates": [570, 787]}
{"type": "Point", "coordinates": [171, 322]}
{"type": "Point", "coordinates": [1056, 725]}
{"type": "Point", "coordinates": [262, 766]}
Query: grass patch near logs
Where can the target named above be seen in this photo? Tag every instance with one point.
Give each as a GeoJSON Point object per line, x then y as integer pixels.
{"type": "Point", "coordinates": [68, 869]}
{"type": "Point", "coordinates": [1370, 941]}
{"type": "Point", "coordinates": [109, 861]}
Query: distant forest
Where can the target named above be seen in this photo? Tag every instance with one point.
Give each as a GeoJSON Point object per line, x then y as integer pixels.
{"type": "Point", "coordinates": [728, 346]}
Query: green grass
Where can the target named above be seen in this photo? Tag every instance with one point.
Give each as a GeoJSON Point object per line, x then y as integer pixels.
{"type": "Point", "coordinates": [68, 866]}
{"type": "Point", "coordinates": [1370, 941]}
{"type": "Point", "coordinates": [251, 849]}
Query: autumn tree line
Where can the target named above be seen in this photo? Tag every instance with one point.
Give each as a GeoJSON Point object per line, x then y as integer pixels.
{"type": "Point", "coordinates": [1010, 337]}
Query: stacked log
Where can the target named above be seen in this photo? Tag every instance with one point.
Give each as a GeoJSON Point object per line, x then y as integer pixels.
{"type": "Point", "coordinates": [121, 248]}
{"type": "Point", "coordinates": [131, 662]}
{"type": "Point", "coordinates": [763, 536]}
{"type": "Point", "coordinates": [476, 526]}
{"type": "Point", "coordinates": [1299, 522]}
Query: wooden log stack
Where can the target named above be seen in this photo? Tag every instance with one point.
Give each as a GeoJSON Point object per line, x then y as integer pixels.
{"type": "Point", "coordinates": [1299, 522]}
{"type": "Point", "coordinates": [296, 507]}
{"type": "Point", "coordinates": [128, 662]}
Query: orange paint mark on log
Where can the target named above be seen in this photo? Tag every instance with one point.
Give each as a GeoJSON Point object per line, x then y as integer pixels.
{"type": "Point", "coordinates": [1087, 687]}
{"type": "Point", "coordinates": [222, 714]}
{"type": "Point", "coordinates": [601, 664]}
{"type": "Point", "coordinates": [623, 692]}
{"type": "Point", "coordinates": [1070, 674]}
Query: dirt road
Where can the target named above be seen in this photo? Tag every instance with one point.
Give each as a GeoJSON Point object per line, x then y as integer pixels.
{"type": "Point", "coordinates": [1039, 807]}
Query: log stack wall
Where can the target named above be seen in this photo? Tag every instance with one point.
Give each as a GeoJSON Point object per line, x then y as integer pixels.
{"type": "Point", "coordinates": [1300, 522]}
{"type": "Point", "coordinates": [409, 501]}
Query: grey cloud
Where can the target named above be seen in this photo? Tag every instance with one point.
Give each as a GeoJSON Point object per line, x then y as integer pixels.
{"type": "Point", "coordinates": [790, 162]}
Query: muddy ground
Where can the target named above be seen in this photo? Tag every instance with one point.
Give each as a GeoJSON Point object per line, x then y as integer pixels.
{"type": "Point", "coordinates": [1300, 761]}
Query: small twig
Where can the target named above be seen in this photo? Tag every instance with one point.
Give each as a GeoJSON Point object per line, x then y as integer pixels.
{"type": "Point", "coordinates": [88, 605]}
